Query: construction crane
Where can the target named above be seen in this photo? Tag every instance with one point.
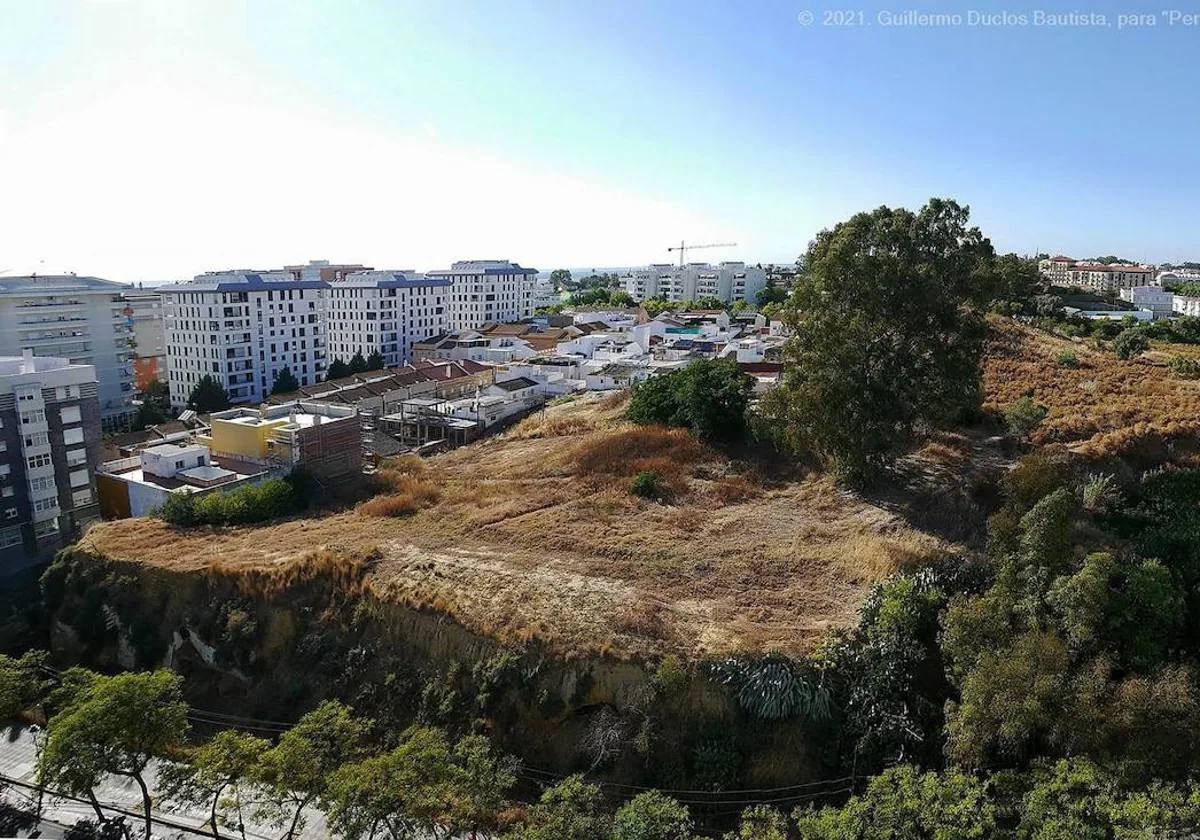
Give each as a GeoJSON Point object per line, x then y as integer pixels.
{"type": "Point", "coordinates": [683, 247]}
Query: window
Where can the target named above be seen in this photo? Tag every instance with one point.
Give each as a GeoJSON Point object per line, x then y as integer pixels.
{"type": "Point", "coordinates": [10, 513]}
{"type": "Point", "coordinates": [36, 461]}
{"type": "Point", "coordinates": [45, 529]}
{"type": "Point", "coordinates": [80, 477]}
{"type": "Point", "coordinates": [35, 416]}
{"type": "Point", "coordinates": [82, 497]}
{"type": "Point", "coordinates": [68, 392]}
{"type": "Point", "coordinates": [71, 436]}
{"type": "Point", "coordinates": [6, 492]}
{"type": "Point", "coordinates": [42, 505]}
{"type": "Point", "coordinates": [10, 537]}
{"type": "Point", "coordinates": [70, 414]}
{"type": "Point", "coordinates": [37, 439]}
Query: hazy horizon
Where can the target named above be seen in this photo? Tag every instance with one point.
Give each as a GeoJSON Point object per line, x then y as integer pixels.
{"type": "Point", "coordinates": [151, 140]}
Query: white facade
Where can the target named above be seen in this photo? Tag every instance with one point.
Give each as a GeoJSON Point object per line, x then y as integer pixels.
{"type": "Point", "coordinates": [728, 282]}
{"type": "Point", "coordinates": [1159, 301]}
{"type": "Point", "coordinates": [1109, 278]}
{"type": "Point", "coordinates": [488, 291]}
{"type": "Point", "coordinates": [243, 328]}
{"type": "Point", "coordinates": [1055, 269]}
{"type": "Point", "coordinates": [1185, 305]}
{"type": "Point", "coordinates": [80, 319]}
{"type": "Point", "coordinates": [385, 312]}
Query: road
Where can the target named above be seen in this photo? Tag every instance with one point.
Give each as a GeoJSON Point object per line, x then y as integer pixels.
{"type": "Point", "coordinates": [18, 757]}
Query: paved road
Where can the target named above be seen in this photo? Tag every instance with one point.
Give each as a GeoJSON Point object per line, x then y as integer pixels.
{"type": "Point", "coordinates": [18, 755]}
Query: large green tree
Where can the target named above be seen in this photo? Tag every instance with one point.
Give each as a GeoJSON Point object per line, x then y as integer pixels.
{"type": "Point", "coordinates": [285, 382]}
{"type": "Point", "coordinates": [297, 770]}
{"type": "Point", "coordinates": [571, 810]}
{"type": "Point", "coordinates": [888, 335]}
{"type": "Point", "coordinates": [208, 396]}
{"type": "Point", "coordinates": [219, 777]}
{"type": "Point", "coordinates": [114, 725]}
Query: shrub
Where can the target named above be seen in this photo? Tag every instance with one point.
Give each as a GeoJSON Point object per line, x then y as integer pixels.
{"type": "Point", "coordinates": [1067, 359]}
{"type": "Point", "coordinates": [1130, 343]}
{"type": "Point", "coordinates": [1185, 367]}
{"type": "Point", "coordinates": [648, 485]}
{"type": "Point", "coordinates": [252, 503]}
{"type": "Point", "coordinates": [708, 396]}
{"type": "Point", "coordinates": [1024, 416]}
{"type": "Point", "coordinates": [1100, 493]}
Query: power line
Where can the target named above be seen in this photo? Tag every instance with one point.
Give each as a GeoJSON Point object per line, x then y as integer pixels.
{"type": "Point", "coordinates": [223, 719]}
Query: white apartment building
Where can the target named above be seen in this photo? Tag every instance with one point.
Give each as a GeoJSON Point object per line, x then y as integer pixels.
{"type": "Point", "coordinates": [1159, 301]}
{"type": "Point", "coordinates": [243, 328]}
{"type": "Point", "coordinates": [1109, 278]}
{"type": "Point", "coordinates": [80, 319]}
{"type": "Point", "coordinates": [728, 282]}
{"type": "Point", "coordinates": [385, 312]}
{"type": "Point", "coordinates": [49, 451]}
{"type": "Point", "coordinates": [487, 291]}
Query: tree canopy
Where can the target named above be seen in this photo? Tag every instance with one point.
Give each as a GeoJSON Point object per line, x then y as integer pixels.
{"type": "Point", "coordinates": [709, 396]}
{"type": "Point", "coordinates": [888, 335]}
{"type": "Point", "coordinates": [208, 396]}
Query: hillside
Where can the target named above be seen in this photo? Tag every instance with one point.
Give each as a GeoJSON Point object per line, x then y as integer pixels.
{"type": "Point", "coordinates": [534, 535]}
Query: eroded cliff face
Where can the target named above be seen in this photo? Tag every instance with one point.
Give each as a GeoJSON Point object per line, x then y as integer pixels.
{"type": "Point", "coordinates": [272, 645]}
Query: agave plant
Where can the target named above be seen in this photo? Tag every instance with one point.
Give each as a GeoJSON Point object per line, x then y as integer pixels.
{"type": "Point", "coordinates": [1100, 493]}
{"type": "Point", "coordinates": [774, 688]}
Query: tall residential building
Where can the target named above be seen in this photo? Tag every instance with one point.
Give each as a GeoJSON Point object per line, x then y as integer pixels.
{"type": "Point", "coordinates": [80, 319]}
{"type": "Point", "coordinates": [243, 328]}
{"type": "Point", "coordinates": [1102, 277]}
{"type": "Point", "coordinates": [484, 291]}
{"type": "Point", "coordinates": [49, 450]}
{"type": "Point", "coordinates": [728, 282]}
{"type": "Point", "coordinates": [324, 270]}
{"type": "Point", "coordinates": [144, 313]}
{"type": "Point", "coordinates": [385, 312]}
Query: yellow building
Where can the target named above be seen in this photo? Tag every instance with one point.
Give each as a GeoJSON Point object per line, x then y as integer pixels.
{"type": "Point", "coordinates": [324, 438]}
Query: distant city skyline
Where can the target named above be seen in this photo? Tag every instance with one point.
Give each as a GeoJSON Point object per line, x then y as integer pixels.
{"type": "Point", "coordinates": [151, 140]}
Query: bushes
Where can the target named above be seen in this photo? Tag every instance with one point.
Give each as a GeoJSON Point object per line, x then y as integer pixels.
{"type": "Point", "coordinates": [1185, 367]}
{"type": "Point", "coordinates": [252, 503]}
{"type": "Point", "coordinates": [708, 396]}
{"type": "Point", "coordinates": [1131, 343]}
{"type": "Point", "coordinates": [648, 485]}
{"type": "Point", "coordinates": [1067, 359]}
{"type": "Point", "coordinates": [1024, 416]}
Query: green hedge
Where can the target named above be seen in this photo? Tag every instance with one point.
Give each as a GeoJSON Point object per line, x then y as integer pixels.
{"type": "Point", "coordinates": [271, 499]}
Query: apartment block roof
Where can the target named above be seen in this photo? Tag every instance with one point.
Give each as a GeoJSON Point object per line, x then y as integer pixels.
{"type": "Point", "coordinates": [484, 267]}
{"type": "Point", "coordinates": [242, 281]}
{"type": "Point", "coordinates": [53, 283]}
{"type": "Point", "coordinates": [389, 280]}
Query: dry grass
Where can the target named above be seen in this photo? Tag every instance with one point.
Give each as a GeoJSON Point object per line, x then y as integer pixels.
{"type": "Point", "coordinates": [404, 495]}
{"type": "Point", "coordinates": [1104, 408]}
{"type": "Point", "coordinates": [534, 536]}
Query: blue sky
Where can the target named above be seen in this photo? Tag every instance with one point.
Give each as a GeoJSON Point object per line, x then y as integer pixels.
{"type": "Point", "coordinates": [155, 139]}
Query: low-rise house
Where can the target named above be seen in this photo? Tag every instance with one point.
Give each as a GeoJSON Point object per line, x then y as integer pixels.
{"type": "Point", "coordinates": [617, 375]}
{"type": "Point", "coordinates": [1186, 305]}
{"type": "Point", "coordinates": [1158, 300]}
{"type": "Point", "coordinates": [1109, 314]}
{"type": "Point", "coordinates": [139, 484]}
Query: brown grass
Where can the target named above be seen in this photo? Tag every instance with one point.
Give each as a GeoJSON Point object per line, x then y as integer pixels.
{"type": "Point", "coordinates": [1104, 408]}
{"type": "Point", "coordinates": [534, 537]}
{"type": "Point", "coordinates": [408, 495]}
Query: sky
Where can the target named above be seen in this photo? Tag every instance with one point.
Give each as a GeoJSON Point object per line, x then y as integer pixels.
{"type": "Point", "coordinates": [150, 140]}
